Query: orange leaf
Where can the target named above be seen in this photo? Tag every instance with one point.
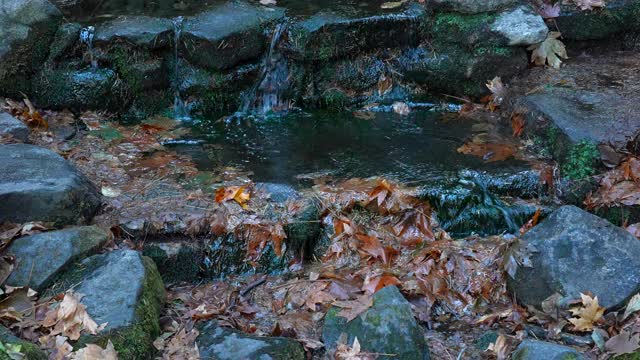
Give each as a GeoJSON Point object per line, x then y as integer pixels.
{"type": "Point", "coordinates": [517, 124]}
{"type": "Point", "coordinates": [237, 193]}
{"type": "Point", "coordinates": [373, 285]}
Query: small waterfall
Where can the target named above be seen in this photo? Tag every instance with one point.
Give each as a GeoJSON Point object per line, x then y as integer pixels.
{"type": "Point", "coordinates": [86, 37]}
{"type": "Point", "coordinates": [180, 109]}
{"type": "Point", "coordinates": [268, 93]}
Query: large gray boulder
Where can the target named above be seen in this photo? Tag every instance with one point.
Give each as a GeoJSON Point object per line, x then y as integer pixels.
{"type": "Point", "coordinates": [534, 350]}
{"type": "Point", "coordinates": [37, 184]}
{"type": "Point", "coordinates": [27, 28]}
{"type": "Point", "coordinates": [615, 19]}
{"type": "Point", "coordinates": [388, 327]}
{"type": "Point", "coordinates": [227, 34]}
{"type": "Point", "coordinates": [143, 31]}
{"type": "Point", "coordinates": [12, 127]}
{"type": "Point", "coordinates": [41, 257]}
{"type": "Point", "coordinates": [578, 252]}
{"type": "Point", "coordinates": [123, 289]}
{"type": "Point", "coordinates": [215, 342]}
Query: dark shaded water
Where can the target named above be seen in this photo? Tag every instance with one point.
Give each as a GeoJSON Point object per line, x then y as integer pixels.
{"type": "Point", "coordinates": [414, 148]}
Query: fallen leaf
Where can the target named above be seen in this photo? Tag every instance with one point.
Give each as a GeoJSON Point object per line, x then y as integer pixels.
{"type": "Point", "coordinates": [549, 11]}
{"type": "Point", "coordinates": [498, 91]}
{"type": "Point", "coordinates": [95, 352]}
{"type": "Point", "coordinates": [623, 343]}
{"type": "Point", "coordinates": [587, 314]}
{"type": "Point", "coordinates": [586, 4]}
{"type": "Point", "coordinates": [385, 84]}
{"type": "Point", "coordinates": [632, 306]}
{"type": "Point", "coordinates": [353, 308]}
{"type": "Point", "coordinates": [372, 285]}
{"type": "Point", "coordinates": [239, 194]}
{"type": "Point", "coordinates": [550, 51]}
{"type": "Point", "coordinates": [517, 124]}
{"type": "Point", "coordinates": [392, 4]}
{"type": "Point", "coordinates": [499, 348]}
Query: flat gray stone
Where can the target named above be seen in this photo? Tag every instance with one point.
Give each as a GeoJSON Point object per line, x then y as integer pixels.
{"type": "Point", "coordinates": [41, 257]}
{"type": "Point", "coordinates": [387, 327]}
{"type": "Point", "coordinates": [215, 342]}
{"type": "Point", "coordinates": [521, 26]}
{"type": "Point", "coordinates": [227, 34]}
{"type": "Point", "coordinates": [37, 184]}
{"type": "Point", "coordinates": [10, 126]}
{"type": "Point", "coordinates": [144, 31]}
{"type": "Point", "coordinates": [578, 252]}
{"type": "Point", "coordinates": [535, 350]}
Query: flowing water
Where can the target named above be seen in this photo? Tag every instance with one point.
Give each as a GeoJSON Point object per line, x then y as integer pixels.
{"type": "Point", "coordinates": [267, 95]}
{"type": "Point", "coordinates": [86, 37]}
{"type": "Point", "coordinates": [180, 109]}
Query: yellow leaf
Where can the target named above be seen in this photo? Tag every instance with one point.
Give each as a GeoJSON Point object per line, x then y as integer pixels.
{"type": "Point", "coordinates": [587, 314]}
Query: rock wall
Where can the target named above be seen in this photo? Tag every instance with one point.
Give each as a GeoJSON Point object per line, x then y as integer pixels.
{"type": "Point", "coordinates": [336, 57]}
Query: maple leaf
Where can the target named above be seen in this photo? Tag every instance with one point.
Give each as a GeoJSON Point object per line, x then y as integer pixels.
{"type": "Point", "coordinates": [517, 124]}
{"type": "Point", "coordinates": [237, 193]}
{"type": "Point", "coordinates": [385, 84]}
{"type": "Point", "coordinates": [586, 4]}
{"type": "Point", "coordinates": [498, 92]}
{"type": "Point", "coordinates": [372, 285]}
{"type": "Point", "coordinates": [587, 314]}
{"type": "Point", "coordinates": [550, 51]}
{"type": "Point", "coordinates": [549, 11]}
{"type": "Point", "coordinates": [353, 352]}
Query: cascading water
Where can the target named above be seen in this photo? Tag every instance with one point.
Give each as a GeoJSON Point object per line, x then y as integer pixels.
{"type": "Point", "coordinates": [86, 37]}
{"type": "Point", "coordinates": [180, 109]}
{"type": "Point", "coordinates": [268, 93]}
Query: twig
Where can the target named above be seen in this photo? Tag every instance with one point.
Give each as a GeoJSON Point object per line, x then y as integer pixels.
{"type": "Point", "coordinates": [253, 285]}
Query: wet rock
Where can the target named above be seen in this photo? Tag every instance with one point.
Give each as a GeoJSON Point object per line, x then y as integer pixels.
{"type": "Point", "coordinates": [619, 16]}
{"type": "Point", "coordinates": [12, 127]}
{"type": "Point", "coordinates": [79, 89]}
{"type": "Point", "coordinates": [578, 252]}
{"type": "Point", "coordinates": [66, 37]}
{"type": "Point", "coordinates": [29, 351]}
{"type": "Point", "coordinates": [41, 257]}
{"type": "Point", "coordinates": [521, 26]}
{"type": "Point", "coordinates": [227, 255]}
{"type": "Point", "coordinates": [216, 342]}
{"type": "Point", "coordinates": [473, 6]}
{"type": "Point", "coordinates": [303, 230]}
{"type": "Point", "coordinates": [227, 34]}
{"type": "Point", "coordinates": [177, 260]}
{"type": "Point", "coordinates": [388, 327]}
{"type": "Point", "coordinates": [148, 75]}
{"type": "Point", "coordinates": [123, 289]}
{"type": "Point", "coordinates": [454, 70]}
{"type": "Point", "coordinates": [38, 185]}
{"type": "Point", "coordinates": [27, 28]}
{"type": "Point", "coordinates": [145, 31]}
{"type": "Point", "coordinates": [534, 349]}
{"type": "Point", "coordinates": [329, 35]}
{"type": "Point", "coordinates": [583, 116]}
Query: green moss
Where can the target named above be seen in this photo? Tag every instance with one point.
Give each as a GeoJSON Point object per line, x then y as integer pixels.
{"type": "Point", "coordinates": [454, 28]}
{"type": "Point", "coordinates": [334, 99]}
{"type": "Point", "coordinates": [183, 266]}
{"type": "Point", "coordinates": [11, 343]}
{"type": "Point", "coordinates": [581, 161]}
{"type": "Point", "coordinates": [633, 356]}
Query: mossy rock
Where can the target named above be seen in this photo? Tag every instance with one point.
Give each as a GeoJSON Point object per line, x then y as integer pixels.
{"type": "Point", "coordinates": [30, 351]}
{"type": "Point", "coordinates": [619, 16]}
{"type": "Point", "coordinates": [303, 231]}
{"type": "Point", "coordinates": [326, 36]}
{"type": "Point", "coordinates": [65, 39]}
{"type": "Point", "coordinates": [215, 342]}
{"type": "Point", "coordinates": [534, 349]}
{"type": "Point", "coordinates": [80, 89]}
{"type": "Point", "coordinates": [125, 290]}
{"type": "Point", "coordinates": [390, 315]}
{"type": "Point", "coordinates": [27, 28]}
{"type": "Point", "coordinates": [177, 261]}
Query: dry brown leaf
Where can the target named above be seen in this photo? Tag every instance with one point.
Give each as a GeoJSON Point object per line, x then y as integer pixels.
{"type": "Point", "coordinates": [385, 84]}
{"type": "Point", "coordinates": [586, 4]}
{"type": "Point", "coordinates": [499, 348]}
{"type": "Point", "coordinates": [353, 308]}
{"type": "Point", "coordinates": [549, 51]}
{"type": "Point", "coordinates": [587, 314]}
{"type": "Point", "coordinates": [623, 343]}
{"type": "Point", "coordinates": [95, 352]}
{"type": "Point", "coordinates": [70, 318]}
